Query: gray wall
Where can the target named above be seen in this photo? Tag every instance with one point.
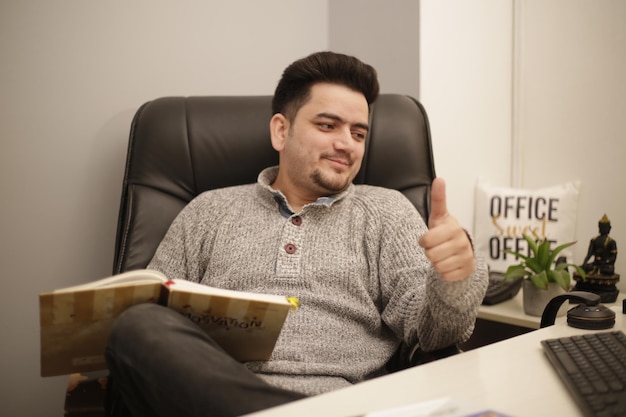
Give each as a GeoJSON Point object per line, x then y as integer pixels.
{"type": "Point", "coordinates": [383, 34]}
{"type": "Point", "coordinates": [72, 75]}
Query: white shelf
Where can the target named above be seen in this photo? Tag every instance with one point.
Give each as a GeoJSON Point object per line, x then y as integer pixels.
{"type": "Point", "coordinates": [512, 312]}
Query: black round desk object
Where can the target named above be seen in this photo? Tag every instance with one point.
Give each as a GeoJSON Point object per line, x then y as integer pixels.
{"type": "Point", "coordinates": [589, 314]}
{"type": "Point", "coordinates": [591, 317]}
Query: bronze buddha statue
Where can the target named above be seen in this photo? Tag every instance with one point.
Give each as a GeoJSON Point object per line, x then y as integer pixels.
{"type": "Point", "coordinates": [603, 249]}
{"type": "Point", "coordinates": [600, 272]}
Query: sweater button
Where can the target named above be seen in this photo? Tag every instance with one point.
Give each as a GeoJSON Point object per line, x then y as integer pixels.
{"type": "Point", "coordinates": [296, 220]}
{"type": "Point", "coordinates": [290, 248]}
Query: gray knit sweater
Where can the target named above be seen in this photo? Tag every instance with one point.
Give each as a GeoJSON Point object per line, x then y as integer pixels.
{"type": "Point", "coordinates": [353, 261]}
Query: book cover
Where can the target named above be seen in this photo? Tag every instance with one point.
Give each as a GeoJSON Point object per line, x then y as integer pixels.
{"type": "Point", "coordinates": [76, 321]}
{"type": "Point", "coordinates": [246, 327]}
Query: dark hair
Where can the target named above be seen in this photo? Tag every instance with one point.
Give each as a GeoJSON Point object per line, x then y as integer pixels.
{"type": "Point", "coordinates": [294, 88]}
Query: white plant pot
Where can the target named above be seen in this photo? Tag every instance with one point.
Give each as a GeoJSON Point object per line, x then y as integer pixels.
{"type": "Point", "coordinates": [535, 299]}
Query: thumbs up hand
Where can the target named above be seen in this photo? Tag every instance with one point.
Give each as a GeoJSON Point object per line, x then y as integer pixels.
{"type": "Point", "coordinates": [446, 244]}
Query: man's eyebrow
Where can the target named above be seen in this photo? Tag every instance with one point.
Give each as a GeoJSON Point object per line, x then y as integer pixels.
{"type": "Point", "coordinates": [332, 116]}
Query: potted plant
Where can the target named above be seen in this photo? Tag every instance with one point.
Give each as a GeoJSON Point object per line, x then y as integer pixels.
{"type": "Point", "coordinates": [543, 277]}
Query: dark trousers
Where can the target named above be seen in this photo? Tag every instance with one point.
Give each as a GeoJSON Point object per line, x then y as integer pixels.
{"type": "Point", "coordinates": [162, 364]}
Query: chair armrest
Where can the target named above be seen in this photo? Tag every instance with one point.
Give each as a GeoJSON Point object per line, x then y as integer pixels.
{"type": "Point", "coordinates": [420, 357]}
{"type": "Point", "coordinates": [406, 358]}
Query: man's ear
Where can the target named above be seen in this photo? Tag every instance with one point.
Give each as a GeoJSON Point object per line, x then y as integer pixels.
{"type": "Point", "coordinates": [279, 125]}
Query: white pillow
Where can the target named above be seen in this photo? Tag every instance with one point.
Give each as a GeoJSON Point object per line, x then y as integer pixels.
{"type": "Point", "coordinates": [503, 214]}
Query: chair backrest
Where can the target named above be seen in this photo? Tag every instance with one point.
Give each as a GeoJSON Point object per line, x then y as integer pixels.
{"type": "Point", "coordinates": [182, 146]}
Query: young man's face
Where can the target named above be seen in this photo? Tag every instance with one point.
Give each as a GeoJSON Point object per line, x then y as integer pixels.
{"type": "Point", "coordinates": [322, 149]}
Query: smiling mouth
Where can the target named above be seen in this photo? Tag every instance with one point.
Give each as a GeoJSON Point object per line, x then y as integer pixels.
{"type": "Point", "coordinates": [339, 161]}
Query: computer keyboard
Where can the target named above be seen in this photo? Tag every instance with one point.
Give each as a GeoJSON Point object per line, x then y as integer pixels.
{"type": "Point", "coordinates": [499, 290]}
{"type": "Point", "coordinates": [593, 367]}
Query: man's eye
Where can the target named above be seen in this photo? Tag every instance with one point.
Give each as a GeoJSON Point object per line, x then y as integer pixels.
{"type": "Point", "coordinates": [326, 126]}
{"type": "Point", "coordinates": [359, 135]}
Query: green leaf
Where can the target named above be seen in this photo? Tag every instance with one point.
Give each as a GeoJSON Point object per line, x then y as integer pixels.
{"type": "Point", "coordinates": [580, 271]}
{"type": "Point", "coordinates": [561, 266]}
{"type": "Point", "coordinates": [562, 278]}
{"type": "Point", "coordinates": [533, 264]}
{"type": "Point", "coordinates": [558, 249]}
{"type": "Point", "coordinates": [552, 276]}
{"type": "Point", "coordinates": [531, 244]}
{"type": "Point", "coordinates": [516, 254]}
{"type": "Point", "coordinates": [516, 271]}
{"type": "Point", "coordinates": [540, 280]}
{"type": "Point", "coordinates": [543, 255]}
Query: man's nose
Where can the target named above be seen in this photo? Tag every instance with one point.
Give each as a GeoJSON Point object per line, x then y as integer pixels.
{"type": "Point", "coordinates": [344, 140]}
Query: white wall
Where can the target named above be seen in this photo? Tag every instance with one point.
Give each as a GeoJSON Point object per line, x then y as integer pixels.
{"type": "Point", "coordinates": [530, 94]}
{"type": "Point", "coordinates": [465, 85]}
{"type": "Point", "coordinates": [571, 63]}
{"type": "Point", "coordinates": [72, 75]}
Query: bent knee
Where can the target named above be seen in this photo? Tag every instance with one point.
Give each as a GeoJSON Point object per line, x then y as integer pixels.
{"type": "Point", "coordinates": [136, 323]}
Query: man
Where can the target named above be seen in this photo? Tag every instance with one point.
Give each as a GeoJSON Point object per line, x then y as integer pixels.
{"type": "Point", "coordinates": [368, 272]}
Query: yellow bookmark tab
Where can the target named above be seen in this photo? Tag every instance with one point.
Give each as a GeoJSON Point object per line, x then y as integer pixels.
{"type": "Point", "coordinates": [295, 303]}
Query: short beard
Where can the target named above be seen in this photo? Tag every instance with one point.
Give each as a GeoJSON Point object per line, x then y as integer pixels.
{"type": "Point", "coordinates": [329, 186]}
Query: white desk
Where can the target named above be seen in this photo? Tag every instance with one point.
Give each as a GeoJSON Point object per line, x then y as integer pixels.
{"type": "Point", "coordinates": [513, 377]}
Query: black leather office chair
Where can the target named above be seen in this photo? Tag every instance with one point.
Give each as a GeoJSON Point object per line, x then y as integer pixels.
{"type": "Point", "coordinates": [180, 147]}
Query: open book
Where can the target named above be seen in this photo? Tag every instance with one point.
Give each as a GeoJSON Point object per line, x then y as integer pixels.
{"type": "Point", "coordinates": [76, 321]}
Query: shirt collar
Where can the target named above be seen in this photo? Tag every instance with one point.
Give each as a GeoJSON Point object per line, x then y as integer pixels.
{"type": "Point", "coordinates": [267, 177]}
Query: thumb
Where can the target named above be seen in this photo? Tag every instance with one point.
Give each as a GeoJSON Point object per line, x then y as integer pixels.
{"type": "Point", "coordinates": [438, 206]}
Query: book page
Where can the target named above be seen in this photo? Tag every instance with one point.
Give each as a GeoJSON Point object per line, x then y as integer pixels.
{"type": "Point", "coordinates": [183, 285]}
{"type": "Point", "coordinates": [125, 279]}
